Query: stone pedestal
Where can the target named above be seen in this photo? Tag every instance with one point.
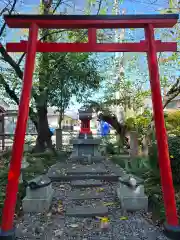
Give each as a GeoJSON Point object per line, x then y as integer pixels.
{"type": "Point", "coordinates": [38, 200]}
{"type": "Point", "coordinates": [133, 144]}
{"type": "Point", "coordinates": [86, 149]}
{"type": "Point", "coordinates": [145, 147]}
{"type": "Point", "coordinates": [59, 139]}
{"type": "Point", "coordinates": [132, 199]}
{"type": "Point", "coordinates": [26, 147]}
{"type": "Point", "coordinates": [24, 165]}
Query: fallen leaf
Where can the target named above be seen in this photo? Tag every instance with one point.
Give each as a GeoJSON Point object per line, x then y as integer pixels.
{"type": "Point", "coordinates": [100, 190]}
{"type": "Point", "coordinates": [109, 203]}
{"type": "Point", "coordinates": [104, 219]}
{"type": "Point", "coordinates": [123, 218]}
{"type": "Point", "coordinates": [60, 210]}
{"type": "Point", "coordinates": [74, 225]}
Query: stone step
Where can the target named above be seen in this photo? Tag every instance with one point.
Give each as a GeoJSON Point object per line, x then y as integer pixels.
{"type": "Point", "coordinates": [83, 195]}
{"type": "Point", "coordinates": [107, 177]}
{"type": "Point", "coordinates": [87, 211]}
{"type": "Point", "coordinates": [86, 183]}
{"type": "Point", "coordinates": [116, 169]}
{"type": "Point", "coordinates": [82, 160]}
{"type": "Point", "coordinates": [91, 169]}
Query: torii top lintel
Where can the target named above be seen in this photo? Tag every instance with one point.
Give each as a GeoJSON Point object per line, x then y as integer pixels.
{"type": "Point", "coordinates": [91, 21]}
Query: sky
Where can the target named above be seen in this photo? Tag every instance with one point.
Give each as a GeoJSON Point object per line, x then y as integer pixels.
{"type": "Point", "coordinates": [77, 6]}
{"type": "Point", "coordinates": [131, 6]}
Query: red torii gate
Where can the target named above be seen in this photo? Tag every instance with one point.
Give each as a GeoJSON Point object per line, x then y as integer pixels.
{"type": "Point", "coordinates": [92, 23]}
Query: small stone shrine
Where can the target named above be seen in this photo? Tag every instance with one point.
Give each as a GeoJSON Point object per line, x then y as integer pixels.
{"type": "Point", "coordinates": [85, 147]}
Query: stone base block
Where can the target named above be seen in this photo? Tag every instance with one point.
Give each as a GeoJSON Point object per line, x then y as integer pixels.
{"type": "Point", "coordinates": [39, 193]}
{"type": "Point", "coordinates": [125, 191]}
{"type": "Point", "coordinates": [134, 204]}
{"type": "Point", "coordinates": [78, 141]}
{"type": "Point", "coordinates": [98, 158]}
{"type": "Point", "coordinates": [79, 169]}
{"type": "Point", "coordinates": [37, 205]}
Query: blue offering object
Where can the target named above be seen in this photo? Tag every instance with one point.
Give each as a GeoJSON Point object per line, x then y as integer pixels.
{"type": "Point", "coordinates": [105, 128]}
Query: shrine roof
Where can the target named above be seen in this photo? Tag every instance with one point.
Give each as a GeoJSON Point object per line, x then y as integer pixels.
{"type": "Point", "coordinates": [88, 21]}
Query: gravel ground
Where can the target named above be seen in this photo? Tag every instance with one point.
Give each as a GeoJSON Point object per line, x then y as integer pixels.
{"type": "Point", "coordinates": [55, 225]}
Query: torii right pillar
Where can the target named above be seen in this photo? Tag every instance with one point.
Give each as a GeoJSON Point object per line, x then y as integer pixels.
{"type": "Point", "coordinates": [172, 228]}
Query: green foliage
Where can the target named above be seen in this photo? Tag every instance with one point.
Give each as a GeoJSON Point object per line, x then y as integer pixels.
{"type": "Point", "coordinates": [120, 160]}
{"type": "Point", "coordinates": [148, 169]}
{"type": "Point", "coordinates": [140, 123]}
{"type": "Point", "coordinates": [67, 75]}
{"type": "Point", "coordinates": [174, 150]}
{"type": "Point", "coordinates": [110, 144]}
{"type": "Point", "coordinates": [136, 166]}
{"type": "Point", "coordinates": [73, 75]}
{"type": "Point", "coordinates": [110, 148]}
{"type": "Point", "coordinates": [131, 123]}
{"type": "Point", "coordinates": [173, 123]}
{"type": "Point", "coordinates": [153, 157]}
{"type": "Point", "coordinates": [131, 94]}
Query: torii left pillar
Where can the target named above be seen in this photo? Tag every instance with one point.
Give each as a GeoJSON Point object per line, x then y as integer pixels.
{"type": "Point", "coordinates": [7, 228]}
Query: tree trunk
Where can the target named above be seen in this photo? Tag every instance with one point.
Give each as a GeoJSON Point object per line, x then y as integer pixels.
{"type": "Point", "coordinates": [43, 140]}
{"type": "Point", "coordinates": [59, 134]}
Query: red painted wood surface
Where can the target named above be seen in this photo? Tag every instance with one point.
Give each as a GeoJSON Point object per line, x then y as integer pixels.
{"type": "Point", "coordinates": [85, 126]}
{"type": "Point", "coordinates": [161, 135]}
{"type": "Point", "coordinates": [85, 24]}
{"type": "Point", "coordinates": [93, 47]}
{"type": "Point", "coordinates": [19, 136]}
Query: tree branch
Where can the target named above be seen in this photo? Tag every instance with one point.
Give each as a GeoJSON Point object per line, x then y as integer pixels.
{"type": "Point", "coordinates": [51, 33]}
{"type": "Point", "coordinates": [11, 62]}
{"type": "Point", "coordinates": [21, 58]}
{"type": "Point", "coordinates": [10, 11]}
{"type": "Point", "coordinates": [5, 8]}
{"type": "Point", "coordinates": [57, 5]}
{"type": "Point", "coordinates": [15, 66]}
{"type": "Point", "coordinates": [99, 7]}
{"type": "Point", "coordinates": [173, 92]}
{"type": "Point", "coordinates": [12, 94]}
